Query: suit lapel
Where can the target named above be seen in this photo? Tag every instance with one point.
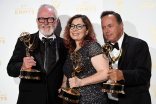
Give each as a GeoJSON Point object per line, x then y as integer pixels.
{"type": "Point", "coordinates": [37, 54]}
{"type": "Point", "coordinates": [124, 49]}
{"type": "Point", "coordinates": [39, 59]}
{"type": "Point", "coordinates": [57, 53]}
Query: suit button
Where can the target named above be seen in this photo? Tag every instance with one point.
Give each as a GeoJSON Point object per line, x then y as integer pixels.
{"type": "Point", "coordinates": [44, 90]}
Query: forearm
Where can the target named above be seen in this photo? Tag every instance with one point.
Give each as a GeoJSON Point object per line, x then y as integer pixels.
{"type": "Point", "coordinates": [64, 81]}
{"type": "Point", "coordinates": [64, 84]}
{"type": "Point", "coordinates": [98, 77]}
{"type": "Point", "coordinates": [101, 65]}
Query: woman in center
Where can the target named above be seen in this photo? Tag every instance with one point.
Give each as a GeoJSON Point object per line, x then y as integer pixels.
{"type": "Point", "coordinates": [79, 38]}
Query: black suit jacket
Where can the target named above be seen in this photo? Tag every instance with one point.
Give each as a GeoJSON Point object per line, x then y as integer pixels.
{"type": "Point", "coordinates": [135, 64]}
{"type": "Point", "coordinates": [44, 91]}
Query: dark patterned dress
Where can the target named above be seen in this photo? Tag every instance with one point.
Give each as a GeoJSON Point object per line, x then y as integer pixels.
{"type": "Point", "coordinates": [90, 94]}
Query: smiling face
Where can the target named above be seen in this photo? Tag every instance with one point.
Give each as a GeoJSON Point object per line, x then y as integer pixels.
{"type": "Point", "coordinates": [111, 29]}
{"type": "Point", "coordinates": [78, 35]}
{"type": "Point", "coordinates": [46, 28]}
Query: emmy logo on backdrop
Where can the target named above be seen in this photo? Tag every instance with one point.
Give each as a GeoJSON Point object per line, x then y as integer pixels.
{"type": "Point", "coordinates": [24, 9]}
{"type": "Point", "coordinates": [112, 87]}
{"type": "Point", "coordinates": [2, 40]}
{"type": "Point", "coordinates": [29, 73]}
{"type": "Point", "coordinates": [149, 4]}
{"type": "Point", "coordinates": [86, 7]}
{"type": "Point", "coordinates": [54, 2]}
{"type": "Point", "coordinates": [151, 28]}
{"type": "Point", "coordinates": [85, 3]}
{"type": "Point", "coordinates": [153, 87]}
{"type": "Point", "coordinates": [71, 94]}
{"type": "Point", "coordinates": [3, 97]}
{"type": "Point", "coordinates": [153, 63]}
{"type": "Point", "coordinates": [119, 3]}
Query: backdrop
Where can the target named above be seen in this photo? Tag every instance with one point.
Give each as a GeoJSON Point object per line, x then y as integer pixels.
{"type": "Point", "coordinates": [16, 16]}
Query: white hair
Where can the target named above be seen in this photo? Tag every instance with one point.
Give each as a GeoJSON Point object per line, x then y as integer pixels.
{"type": "Point", "coordinates": [48, 6]}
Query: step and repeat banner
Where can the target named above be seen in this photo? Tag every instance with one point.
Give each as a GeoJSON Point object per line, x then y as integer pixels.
{"type": "Point", "coordinates": [16, 16]}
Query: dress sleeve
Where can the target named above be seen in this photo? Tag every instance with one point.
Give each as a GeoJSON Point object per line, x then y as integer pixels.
{"type": "Point", "coordinates": [94, 49]}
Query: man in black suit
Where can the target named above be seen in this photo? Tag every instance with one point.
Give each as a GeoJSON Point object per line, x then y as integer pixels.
{"type": "Point", "coordinates": [133, 69]}
{"type": "Point", "coordinates": [44, 91]}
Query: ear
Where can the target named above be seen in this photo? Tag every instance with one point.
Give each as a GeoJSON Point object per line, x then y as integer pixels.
{"type": "Point", "coordinates": [121, 25]}
{"type": "Point", "coordinates": [58, 21]}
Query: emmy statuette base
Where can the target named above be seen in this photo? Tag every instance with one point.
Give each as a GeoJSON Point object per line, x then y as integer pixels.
{"type": "Point", "coordinates": [33, 74]}
{"type": "Point", "coordinates": [113, 87]}
{"type": "Point", "coordinates": [70, 95]}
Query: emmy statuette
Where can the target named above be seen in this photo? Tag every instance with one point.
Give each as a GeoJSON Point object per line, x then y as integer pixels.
{"type": "Point", "coordinates": [71, 94]}
{"type": "Point", "coordinates": [29, 73]}
{"type": "Point", "coordinates": [112, 87]}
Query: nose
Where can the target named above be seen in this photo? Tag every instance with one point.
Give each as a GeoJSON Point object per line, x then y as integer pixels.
{"type": "Point", "coordinates": [46, 21]}
{"type": "Point", "coordinates": [106, 30]}
{"type": "Point", "coordinates": [75, 28]}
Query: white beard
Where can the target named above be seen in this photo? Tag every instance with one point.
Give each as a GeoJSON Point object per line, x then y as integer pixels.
{"type": "Point", "coordinates": [47, 33]}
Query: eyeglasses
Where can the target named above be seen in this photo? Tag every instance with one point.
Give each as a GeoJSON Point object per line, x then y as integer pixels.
{"type": "Point", "coordinates": [49, 19]}
{"type": "Point", "coordinates": [78, 26]}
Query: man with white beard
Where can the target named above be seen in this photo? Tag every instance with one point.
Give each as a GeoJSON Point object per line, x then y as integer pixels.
{"type": "Point", "coordinates": [48, 57]}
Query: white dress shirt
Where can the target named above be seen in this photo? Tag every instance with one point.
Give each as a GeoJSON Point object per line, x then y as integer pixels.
{"type": "Point", "coordinates": [115, 53]}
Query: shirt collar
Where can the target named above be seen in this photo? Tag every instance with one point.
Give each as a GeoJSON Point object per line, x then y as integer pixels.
{"type": "Point", "coordinates": [41, 35]}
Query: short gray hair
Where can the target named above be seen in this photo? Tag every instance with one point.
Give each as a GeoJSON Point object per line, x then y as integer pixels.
{"type": "Point", "coordinates": [48, 6]}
